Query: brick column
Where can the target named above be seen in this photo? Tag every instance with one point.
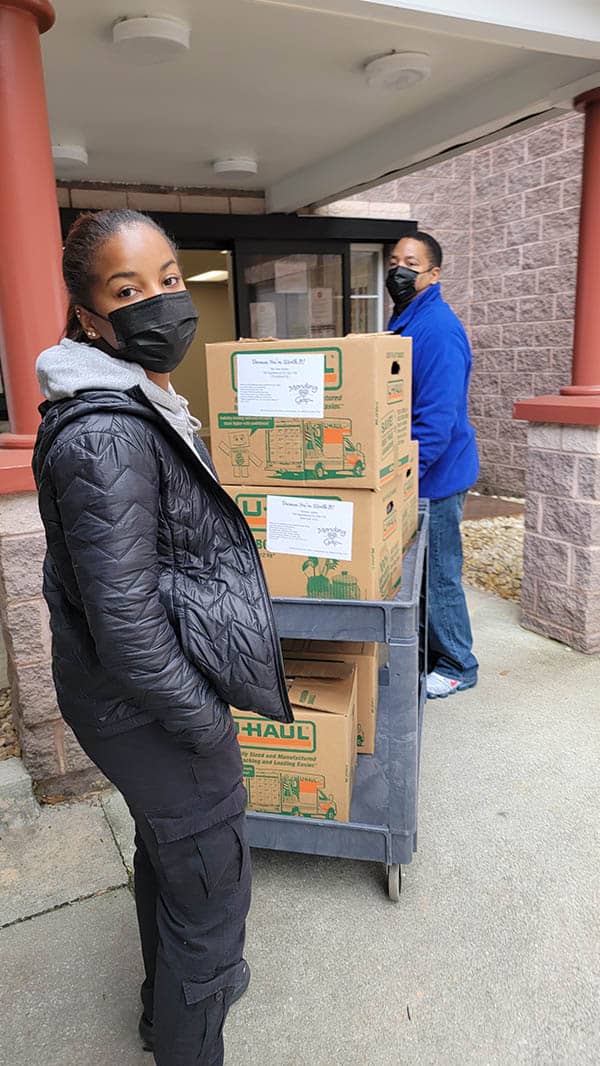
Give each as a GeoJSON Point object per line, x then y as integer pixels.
{"type": "Point", "coordinates": [561, 585]}
{"type": "Point", "coordinates": [51, 753]}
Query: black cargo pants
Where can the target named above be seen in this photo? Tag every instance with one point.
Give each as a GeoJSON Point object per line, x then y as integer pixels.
{"type": "Point", "coordinates": [192, 883]}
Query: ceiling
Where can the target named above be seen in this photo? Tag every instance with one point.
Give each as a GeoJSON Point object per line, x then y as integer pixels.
{"type": "Point", "coordinates": [283, 81]}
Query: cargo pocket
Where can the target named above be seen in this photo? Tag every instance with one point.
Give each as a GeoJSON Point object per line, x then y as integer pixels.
{"type": "Point", "coordinates": [224, 988]}
{"type": "Point", "coordinates": [224, 855]}
{"type": "Point", "coordinates": [214, 998]}
{"type": "Point", "coordinates": [198, 863]}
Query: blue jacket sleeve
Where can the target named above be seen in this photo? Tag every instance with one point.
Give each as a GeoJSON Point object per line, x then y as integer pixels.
{"type": "Point", "coordinates": [439, 383]}
{"type": "Point", "coordinates": [107, 494]}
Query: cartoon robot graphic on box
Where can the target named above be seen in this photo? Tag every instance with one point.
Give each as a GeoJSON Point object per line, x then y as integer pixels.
{"type": "Point", "coordinates": [239, 452]}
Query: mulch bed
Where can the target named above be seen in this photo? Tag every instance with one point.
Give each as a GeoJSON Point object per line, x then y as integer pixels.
{"type": "Point", "coordinates": [493, 550]}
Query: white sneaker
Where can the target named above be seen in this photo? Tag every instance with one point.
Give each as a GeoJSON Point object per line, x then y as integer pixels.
{"type": "Point", "coordinates": [439, 687]}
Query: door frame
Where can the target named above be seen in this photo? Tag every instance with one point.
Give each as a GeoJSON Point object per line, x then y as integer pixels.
{"type": "Point", "coordinates": [284, 248]}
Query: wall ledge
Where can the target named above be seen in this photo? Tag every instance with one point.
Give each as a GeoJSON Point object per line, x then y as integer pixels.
{"type": "Point", "coordinates": [564, 410]}
{"type": "Point", "coordinates": [16, 474]}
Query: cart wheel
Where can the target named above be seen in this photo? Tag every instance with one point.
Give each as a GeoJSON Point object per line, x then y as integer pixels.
{"type": "Point", "coordinates": [394, 879]}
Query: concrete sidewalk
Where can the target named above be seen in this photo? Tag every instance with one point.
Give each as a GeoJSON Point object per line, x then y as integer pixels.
{"type": "Point", "coordinates": [490, 959]}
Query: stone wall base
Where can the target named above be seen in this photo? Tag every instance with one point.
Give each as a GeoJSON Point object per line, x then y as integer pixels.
{"type": "Point", "coordinates": [59, 768]}
{"type": "Point", "coordinates": [561, 583]}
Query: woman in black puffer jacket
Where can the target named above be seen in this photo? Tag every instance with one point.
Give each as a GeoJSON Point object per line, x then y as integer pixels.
{"type": "Point", "coordinates": [160, 618]}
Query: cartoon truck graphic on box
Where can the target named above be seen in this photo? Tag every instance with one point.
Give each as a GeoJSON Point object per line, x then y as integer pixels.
{"type": "Point", "coordinates": [299, 795]}
{"type": "Point", "coordinates": [318, 449]}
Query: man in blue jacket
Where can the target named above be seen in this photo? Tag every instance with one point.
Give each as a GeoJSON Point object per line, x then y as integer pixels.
{"type": "Point", "coordinates": [448, 459]}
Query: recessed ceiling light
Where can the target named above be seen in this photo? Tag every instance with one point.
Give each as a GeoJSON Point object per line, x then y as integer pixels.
{"type": "Point", "coordinates": [69, 156]}
{"type": "Point", "coordinates": [397, 70]}
{"type": "Point", "coordinates": [150, 39]}
{"type": "Point", "coordinates": [236, 165]}
{"type": "Point", "coordinates": [210, 275]}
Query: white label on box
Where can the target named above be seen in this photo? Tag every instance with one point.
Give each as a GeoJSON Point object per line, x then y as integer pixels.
{"type": "Point", "coordinates": [281, 384]}
{"type": "Point", "coordinates": [311, 526]}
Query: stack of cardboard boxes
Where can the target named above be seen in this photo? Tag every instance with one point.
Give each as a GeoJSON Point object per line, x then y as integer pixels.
{"type": "Point", "coordinates": [312, 440]}
{"type": "Point", "coordinates": [305, 767]}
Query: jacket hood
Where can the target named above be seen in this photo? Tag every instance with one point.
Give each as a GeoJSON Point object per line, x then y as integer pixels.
{"type": "Point", "coordinates": [71, 367]}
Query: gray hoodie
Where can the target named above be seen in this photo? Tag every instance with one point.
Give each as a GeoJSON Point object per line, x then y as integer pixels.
{"type": "Point", "coordinates": [71, 367]}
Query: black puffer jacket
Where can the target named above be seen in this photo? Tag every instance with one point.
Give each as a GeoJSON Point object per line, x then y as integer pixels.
{"type": "Point", "coordinates": [158, 604]}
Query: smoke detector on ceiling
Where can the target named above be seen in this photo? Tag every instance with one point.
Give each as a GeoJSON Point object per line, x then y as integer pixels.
{"type": "Point", "coordinates": [72, 157]}
{"type": "Point", "coordinates": [150, 39]}
{"type": "Point", "coordinates": [397, 70]}
{"type": "Point", "coordinates": [236, 165]}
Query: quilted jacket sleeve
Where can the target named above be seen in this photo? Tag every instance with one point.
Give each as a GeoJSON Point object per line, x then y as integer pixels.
{"type": "Point", "coordinates": [107, 494]}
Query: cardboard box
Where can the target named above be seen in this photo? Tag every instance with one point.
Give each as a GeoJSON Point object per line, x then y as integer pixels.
{"type": "Point", "coordinates": [365, 657]}
{"type": "Point", "coordinates": [408, 471]}
{"type": "Point", "coordinates": [276, 419]}
{"type": "Point", "coordinates": [304, 768]}
{"type": "Point", "coordinates": [373, 571]}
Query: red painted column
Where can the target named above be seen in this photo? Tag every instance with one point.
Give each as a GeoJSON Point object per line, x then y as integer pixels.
{"type": "Point", "coordinates": [586, 349]}
{"type": "Point", "coordinates": [31, 289]}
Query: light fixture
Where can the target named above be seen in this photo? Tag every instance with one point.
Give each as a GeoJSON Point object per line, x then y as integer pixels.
{"type": "Point", "coordinates": [69, 156]}
{"type": "Point", "coordinates": [150, 39]}
{"type": "Point", "coordinates": [236, 165]}
{"type": "Point", "coordinates": [210, 275]}
{"type": "Point", "coordinates": [397, 70]}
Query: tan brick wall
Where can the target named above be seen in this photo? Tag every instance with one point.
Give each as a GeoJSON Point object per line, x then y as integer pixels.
{"type": "Point", "coordinates": [51, 753]}
{"type": "Point", "coordinates": [523, 270]}
{"type": "Point", "coordinates": [507, 218]}
{"type": "Point", "coordinates": [153, 198]}
{"type": "Point", "coordinates": [561, 584]}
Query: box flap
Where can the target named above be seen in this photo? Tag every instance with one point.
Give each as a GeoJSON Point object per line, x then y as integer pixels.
{"type": "Point", "coordinates": [321, 686]}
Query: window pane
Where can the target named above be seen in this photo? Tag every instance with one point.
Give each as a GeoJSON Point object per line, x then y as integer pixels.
{"type": "Point", "coordinates": [366, 294]}
{"type": "Point", "coordinates": [297, 295]}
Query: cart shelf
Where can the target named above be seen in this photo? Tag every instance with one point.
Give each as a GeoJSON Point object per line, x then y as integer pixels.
{"type": "Point", "coordinates": [383, 816]}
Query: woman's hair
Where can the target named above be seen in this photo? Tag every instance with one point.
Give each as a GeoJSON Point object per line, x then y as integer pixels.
{"type": "Point", "coordinates": [86, 236]}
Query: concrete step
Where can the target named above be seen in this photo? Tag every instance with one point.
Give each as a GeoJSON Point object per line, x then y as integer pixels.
{"type": "Point", "coordinates": [18, 805]}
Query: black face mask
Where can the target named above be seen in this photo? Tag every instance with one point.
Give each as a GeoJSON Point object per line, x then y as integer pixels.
{"type": "Point", "coordinates": [155, 333]}
{"type": "Point", "coordinates": [400, 284]}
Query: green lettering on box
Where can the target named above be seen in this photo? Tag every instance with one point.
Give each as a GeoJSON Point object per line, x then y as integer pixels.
{"type": "Point", "coordinates": [230, 420]}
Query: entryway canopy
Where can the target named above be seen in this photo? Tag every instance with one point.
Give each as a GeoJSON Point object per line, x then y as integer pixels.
{"type": "Point", "coordinates": [284, 83]}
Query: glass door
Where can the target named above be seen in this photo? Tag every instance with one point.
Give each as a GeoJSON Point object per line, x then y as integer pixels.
{"type": "Point", "coordinates": [290, 289]}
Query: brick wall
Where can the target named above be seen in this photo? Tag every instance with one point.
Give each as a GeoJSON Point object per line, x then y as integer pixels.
{"type": "Point", "coordinates": [109, 197]}
{"type": "Point", "coordinates": [525, 214]}
{"type": "Point", "coordinates": [561, 584]}
{"type": "Point", "coordinates": [507, 218]}
{"type": "Point", "coordinates": [57, 764]}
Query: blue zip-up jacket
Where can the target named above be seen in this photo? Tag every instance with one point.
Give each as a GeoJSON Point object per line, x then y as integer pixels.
{"type": "Point", "coordinates": [448, 458]}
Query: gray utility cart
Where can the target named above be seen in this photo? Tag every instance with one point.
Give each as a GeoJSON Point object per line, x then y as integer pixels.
{"type": "Point", "coordinates": [383, 817]}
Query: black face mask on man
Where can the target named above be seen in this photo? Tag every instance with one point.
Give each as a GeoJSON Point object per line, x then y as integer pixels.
{"type": "Point", "coordinates": [154, 333]}
{"type": "Point", "coordinates": [400, 284]}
